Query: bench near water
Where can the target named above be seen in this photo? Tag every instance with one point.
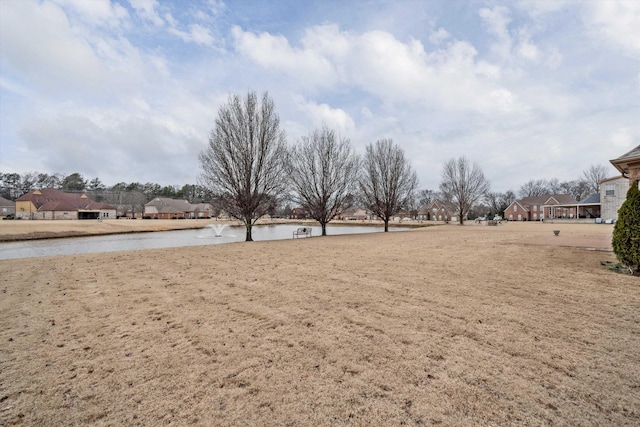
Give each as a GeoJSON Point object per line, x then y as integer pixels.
{"type": "Point", "coordinates": [302, 231]}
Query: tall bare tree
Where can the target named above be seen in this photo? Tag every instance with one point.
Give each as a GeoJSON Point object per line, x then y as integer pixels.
{"type": "Point", "coordinates": [464, 184]}
{"type": "Point", "coordinates": [323, 170]}
{"type": "Point", "coordinates": [498, 202]}
{"type": "Point", "coordinates": [245, 161]}
{"type": "Point", "coordinates": [534, 188]}
{"type": "Point", "coordinates": [388, 181]}
{"type": "Point", "coordinates": [593, 176]}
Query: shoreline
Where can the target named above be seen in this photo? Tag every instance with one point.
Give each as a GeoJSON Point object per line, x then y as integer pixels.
{"type": "Point", "coordinates": [25, 230]}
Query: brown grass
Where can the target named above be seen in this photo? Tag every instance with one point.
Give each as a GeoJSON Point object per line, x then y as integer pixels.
{"type": "Point", "coordinates": [449, 325]}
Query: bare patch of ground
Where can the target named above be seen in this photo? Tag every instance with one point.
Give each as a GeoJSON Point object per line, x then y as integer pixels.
{"type": "Point", "coordinates": [450, 325]}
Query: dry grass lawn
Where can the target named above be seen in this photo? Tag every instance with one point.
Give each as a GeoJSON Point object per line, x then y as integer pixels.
{"type": "Point", "coordinates": [447, 325]}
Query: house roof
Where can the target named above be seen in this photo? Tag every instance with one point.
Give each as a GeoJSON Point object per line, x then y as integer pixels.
{"type": "Point", "coordinates": [563, 199]}
{"type": "Point", "coordinates": [622, 162]}
{"type": "Point", "coordinates": [50, 199]}
{"type": "Point", "coordinates": [167, 205]}
{"type": "Point", "coordinates": [614, 179]}
{"type": "Point", "coordinates": [591, 200]}
{"type": "Point", "coordinates": [6, 203]}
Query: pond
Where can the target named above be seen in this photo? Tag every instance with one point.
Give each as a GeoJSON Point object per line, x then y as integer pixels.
{"type": "Point", "coordinates": [211, 235]}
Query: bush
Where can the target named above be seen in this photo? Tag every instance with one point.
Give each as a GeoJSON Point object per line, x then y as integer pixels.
{"type": "Point", "coordinates": [626, 232]}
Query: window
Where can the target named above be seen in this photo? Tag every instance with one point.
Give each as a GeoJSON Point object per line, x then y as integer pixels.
{"type": "Point", "coordinates": [609, 189]}
{"type": "Point", "coordinates": [535, 208]}
{"type": "Point", "coordinates": [515, 208]}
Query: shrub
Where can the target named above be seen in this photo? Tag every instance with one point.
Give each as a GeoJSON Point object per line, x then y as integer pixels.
{"type": "Point", "coordinates": [626, 232]}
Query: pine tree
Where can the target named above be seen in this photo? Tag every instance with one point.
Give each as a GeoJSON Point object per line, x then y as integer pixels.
{"type": "Point", "coordinates": [626, 232]}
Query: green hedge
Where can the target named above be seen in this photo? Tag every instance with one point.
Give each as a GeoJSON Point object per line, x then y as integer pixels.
{"type": "Point", "coordinates": [626, 232]}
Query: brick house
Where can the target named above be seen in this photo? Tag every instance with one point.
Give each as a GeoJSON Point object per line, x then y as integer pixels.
{"type": "Point", "coordinates": [438, 211]}
{"type": "Point", "coordinates": [538, 208]}
{"type": "Point", "coordinates": [298, 213]}
{"type": "Point", "coordinates": [50, 203]}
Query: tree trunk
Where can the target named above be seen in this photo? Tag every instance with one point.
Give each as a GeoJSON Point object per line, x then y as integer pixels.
{"type": "Point", "coordinates": [386, 225]}
{"type": "Point", "coordinates": [461, 220]}
{"type": "Point", "coordinates": [324, 228]}
{"type": "Point", "coordinates": [248, 227]}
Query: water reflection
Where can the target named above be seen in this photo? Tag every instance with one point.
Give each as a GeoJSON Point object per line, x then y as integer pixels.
{"type": "Point", "coordinates": [213, 235]}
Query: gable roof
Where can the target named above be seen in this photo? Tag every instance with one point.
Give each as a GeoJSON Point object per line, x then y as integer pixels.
{"type": "Point", "coordinates": [563, 199]}
{"type": "Point", "coordinates": [167, 205]}
{"type": "Point", "coordinates": [518, 202]}
{"type": "Point", "coordinates": [50, 199]}
{"type": "Point", "coordinates": [622, 162]}
{"type": "Point", "coordinates": [6, 203]}
{"type": "Point", "coordinates": [615, 178]}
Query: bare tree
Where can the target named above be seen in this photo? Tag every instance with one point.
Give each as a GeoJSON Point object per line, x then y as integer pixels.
{"type": "Point", "coordinates": [593, 176]}
{"type": "Point", "coordinates": [323, 170]}
{"type": "Point", "coordinates": [578, 189]}
{"type": "Point", "coordinates": [245, 161]}
{"type": "Point", "coordinates": [388, 181]}
{"type": "Point", "coordinates": [498, 202]}
{"type": "Point", "coordinates": [534, 188]}
{"type": "Point", "coordinates": [426, 196]}
{"type": "Point", "coordinates": [464, 184]}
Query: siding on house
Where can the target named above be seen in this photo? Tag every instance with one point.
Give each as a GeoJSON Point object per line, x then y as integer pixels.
{"type": "Point", "coordinates": [613, 192]}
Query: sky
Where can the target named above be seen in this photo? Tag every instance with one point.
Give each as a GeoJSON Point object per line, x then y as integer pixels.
{"type": "Point", "coordinates": [128, 91]}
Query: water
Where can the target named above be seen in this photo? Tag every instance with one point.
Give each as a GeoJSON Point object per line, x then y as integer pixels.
{"type": "Point", "coordinates": [211, 235]}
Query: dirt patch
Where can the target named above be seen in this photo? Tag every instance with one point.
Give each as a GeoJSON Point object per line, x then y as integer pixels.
{"type": "Point", "coordinates": [450, 325]}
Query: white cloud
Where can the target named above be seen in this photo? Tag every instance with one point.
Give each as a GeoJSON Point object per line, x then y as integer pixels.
{"type": "Point", "coordinates": [197, 34]}
{"type": "Point", "coordinates": [334, 118]}
{"type": "Point", "coordinates": [146, 9]}
{"type": "Point", "coordinates": [526, 48]}
{"type": "Point", "coordinates": [439, 36]}
{"type": "Point", "coordinates": [275, 52]}
{"type": "Point", "coordinates": [378, 63]}
{"type": "Point", "coordinates": [497, 21]}
{"type": "Point", "coordinates": [617, 22]}
{"type": "Point", "coordinates": [39, 45]}
{"type": "Point", "coordinates": [539, 9]}
{"type": "Point", "coordinates": [97, 12]}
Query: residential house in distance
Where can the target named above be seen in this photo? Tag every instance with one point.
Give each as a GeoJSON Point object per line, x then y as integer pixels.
{"type": "Point", "coordinates": [539, 208]}
{"type": "Point", "coordinates": [50, 203]}
{"type": "Point", "coordinates": [7, 207]}
{"type": "Point", "coordinates": [438, 211]}
{"type": "Point", "coordinates": [298, 213]}
{"type": "Point", "coordinates": [166, 208]}
{"type": "Point", "coordinates": [354, 214]}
